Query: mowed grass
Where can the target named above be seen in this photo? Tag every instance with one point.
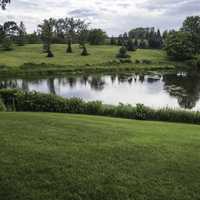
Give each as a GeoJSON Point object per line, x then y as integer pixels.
{"type": "Point", "coordinates": [73, 157]}
{"type": "Point", "coordinates": [98, 55]}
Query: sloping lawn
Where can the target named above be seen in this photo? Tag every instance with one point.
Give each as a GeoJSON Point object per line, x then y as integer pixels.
{"type": "Point", "coordinates": [98, 55]}
{"type": "Point", "coordinates": [72, 157]}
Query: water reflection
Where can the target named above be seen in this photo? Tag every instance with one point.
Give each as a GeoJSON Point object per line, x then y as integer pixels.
{"type": "Point", "coordinates": [173, 90]}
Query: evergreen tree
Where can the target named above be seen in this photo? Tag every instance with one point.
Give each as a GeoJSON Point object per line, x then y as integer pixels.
{"type": "Point", "coordinates": [136, 43]}
{"type": "Point", "coordinates": [120, 40]}
{"type": "Point", "coordinates": [113, 41]}
{"type": "Point", "coordinates": [123, 53]}
{"type": "Point", "coordinates": [130, 45]}
{"type": "Point", "coordinates": [21, 37]}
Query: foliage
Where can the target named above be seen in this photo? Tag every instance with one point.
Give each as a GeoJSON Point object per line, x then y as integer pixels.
{"type": "Point", "coordinates": [3, 3]}
{"type": "Point", "coordinates": [192, 25]}
{"type": "Point", "coordinates": [47, 29]}
{"type": "Point", "coordinates": [7, 44]}
{"type": "Point", "coordinates": [113, 41]}
{"type": "Point", "coordinates": [21, 37]}
{"type": "Point", "coordinates": [130, 45]}
{"type": "Point", "coordinates": [37, 102]}
{"type": "Point", "coordinates": [179, 46]}
{"type": "Point", "coordinates": [97, 37]}
{"type": "Point", "coordinates": [123, 53]}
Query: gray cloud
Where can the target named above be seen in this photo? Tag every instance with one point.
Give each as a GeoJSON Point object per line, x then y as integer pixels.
{"type": "Point", "coordinates": [83, 13]}
{"type": "Point", "coordinates": [114, 16]}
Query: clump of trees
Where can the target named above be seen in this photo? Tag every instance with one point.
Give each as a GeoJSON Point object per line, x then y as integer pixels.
{"type": "Point", "coordinates": [146, 38]}
{"type": "Point", "coordinates": [3, 3]}
{"type": "Point", "coordinates": [97, 37]}
{"type": "Point", "coordinates": [185, 43]}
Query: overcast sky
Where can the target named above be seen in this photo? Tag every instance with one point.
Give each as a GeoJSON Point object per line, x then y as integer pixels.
{"type": "Point", "coordinates": [114, 16]}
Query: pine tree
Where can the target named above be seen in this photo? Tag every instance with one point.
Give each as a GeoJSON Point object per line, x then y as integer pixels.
{"type": "Point", "coordinates": [21, 38]}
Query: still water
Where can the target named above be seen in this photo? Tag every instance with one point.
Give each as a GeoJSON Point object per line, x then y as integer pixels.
{"type": "Point", "coordinates": [175, 90]}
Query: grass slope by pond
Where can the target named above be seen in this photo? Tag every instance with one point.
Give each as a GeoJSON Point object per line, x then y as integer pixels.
{"type": "Point", "coordinates": [60, 156]}
{"type": "Point", "coordinates": [100, 57]}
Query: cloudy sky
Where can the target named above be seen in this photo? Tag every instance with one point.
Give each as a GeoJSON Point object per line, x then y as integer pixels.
{"type": "Point", "coordinates": [114, 16]}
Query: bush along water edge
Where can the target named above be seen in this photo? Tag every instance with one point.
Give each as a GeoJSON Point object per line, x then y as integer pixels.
{"type": "Point", "coordinates": [17, 100]}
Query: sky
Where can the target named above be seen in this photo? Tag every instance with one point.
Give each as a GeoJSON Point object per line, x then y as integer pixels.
{"type": "Point", "coordinates": [113, 16]}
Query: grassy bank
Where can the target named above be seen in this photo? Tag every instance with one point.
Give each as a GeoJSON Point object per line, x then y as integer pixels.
{"type": "Point", "coordinates": [29, 59]}
{"type": "Point", "coordinates": [59, 156]}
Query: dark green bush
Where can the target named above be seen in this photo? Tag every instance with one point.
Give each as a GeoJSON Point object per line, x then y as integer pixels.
{"type": "Point", "coordinates": [16, 100]}
{"type": "Point", "coordinates": [123, 53]}
{"type": "Point", "coordinates": [148, 62]}
{"type": "Point", "coordinates": [137, 62]}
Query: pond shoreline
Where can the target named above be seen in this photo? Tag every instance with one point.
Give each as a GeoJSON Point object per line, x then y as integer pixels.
{"type": "Point", "coordinates": [47, 69]}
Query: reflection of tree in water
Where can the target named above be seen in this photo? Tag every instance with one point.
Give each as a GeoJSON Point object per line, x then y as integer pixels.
{"type": "Point", "coordinates": [25, 85]}
{"type": "Point", "coordinates": [9, 84]}
{"type": "Point", "coordinates": [185, 88]}
{"type": "Point", "coordinates": [123, 78]}
{"type": "Point", "coordinates": [51, 85]}
{"type": "Point", "coordinates": [113, 77]}
{"type": "Point", "coordinates": [97, 83]}
{"type": "Point", "coordinates": [84, 80]}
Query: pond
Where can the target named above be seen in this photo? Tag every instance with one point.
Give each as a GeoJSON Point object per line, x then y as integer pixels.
{"type": "Point", "coordinates": [175, 90]}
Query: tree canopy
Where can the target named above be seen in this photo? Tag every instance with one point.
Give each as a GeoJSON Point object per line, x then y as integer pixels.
{"type": "Point", "coordinates": [3, 3]}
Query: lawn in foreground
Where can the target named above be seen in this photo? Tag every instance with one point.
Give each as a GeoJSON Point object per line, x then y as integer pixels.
{"type": "Point", "coordinates": [73, 157]}
{"type": "Point", "coordinates": [32, 53]}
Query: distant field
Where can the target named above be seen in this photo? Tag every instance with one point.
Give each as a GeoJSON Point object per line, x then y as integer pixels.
{"type": "Point", "coordinates": [99, 54]}
{"type": "Point", "coordinates": [60, 156]}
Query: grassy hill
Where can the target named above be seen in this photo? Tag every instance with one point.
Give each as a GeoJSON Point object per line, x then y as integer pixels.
{"type": "Point", "coordinates": [60, 156]}
{"type": "Point", "coordinates": [100, 57]}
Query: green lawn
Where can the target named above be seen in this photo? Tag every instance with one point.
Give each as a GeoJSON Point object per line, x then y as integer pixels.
{"type": "Point", "coordinates": [73, 157]}
{"type": "Point", "coordinates": [99, 55]}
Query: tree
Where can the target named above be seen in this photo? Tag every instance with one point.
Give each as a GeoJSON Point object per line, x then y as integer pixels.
{"type": "Point", "coordinates": [123, 53]}
{"type": "Point", "coordinates": [120, 41]}
{"type": "Point", "coordinates": [47, 31]}
{"type": "Point", "coordinates": [179, 46]}
{"type": "Point", "coordinates": [73, 29]}
{"type": "Point", "coordinates": [84, 52]}
{"type": "Point", "coordinates": [3, 3]}
{"type": "Point", "coordinates": [113, 41]}
{"type": "Point", "coordinates": [130, 45]}
{"type": "Point", "coordinates": [143, 44]}
{"type": "Point", "coordinates": [192, 25]}
{"type": "Point", "coordinates": [97, 37]}
{"type": "Point", "coordinates": [21, 34]}
{"type": "Point", "coordinates": [7, 33]}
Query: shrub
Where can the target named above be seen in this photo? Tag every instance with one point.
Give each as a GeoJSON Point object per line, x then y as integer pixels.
{"type": "Point", "coordinates": [148, 62]}
{"type": "Point", "coordinates": [7, 44]}
{"type": "Point", "coordinates": [37, 102]}
{"type": "Point", "coordinates": [137, 62]}
{"type": "Point", "coordinates": [2, 106]}
{"type": "Point", "coordinates": [123, 53]}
